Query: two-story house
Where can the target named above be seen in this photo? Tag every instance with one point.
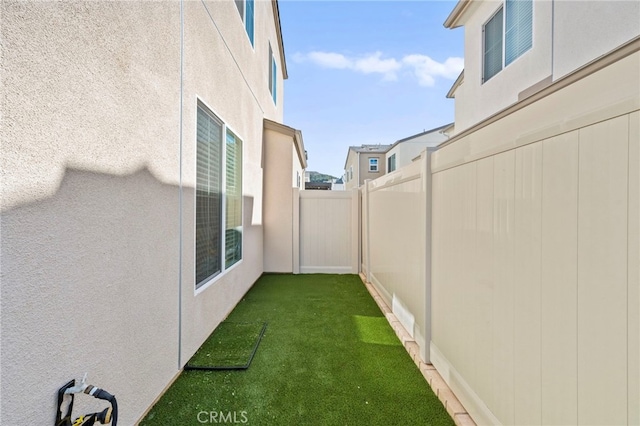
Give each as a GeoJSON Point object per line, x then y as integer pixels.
{"type": "Point", "coordinates": [515, 48]}
{"type": "Point", "coordinates": [535, 226]}
{"type": "Point", "coordinates": [405, 150]}
{"type": "Point", "coordinates": [140, 141]}
{"type": "Point", "coordinates": [364, 162]}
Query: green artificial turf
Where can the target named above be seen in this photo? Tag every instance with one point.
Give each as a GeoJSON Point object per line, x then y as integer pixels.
{"type": "Point", "coordinates": [231, 346]}
{"type": "Point", "coordinates": [328, 357]}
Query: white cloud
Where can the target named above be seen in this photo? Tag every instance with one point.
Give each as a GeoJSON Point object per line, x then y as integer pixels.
{"type": "Point", "coordinates": [426, 69]}
{"type": "Point", "coordinates": [422, 66]}
{"type": "Point", "coordinates": [330, 60]}
{"type": "Point", "coordinates": [367, 64]}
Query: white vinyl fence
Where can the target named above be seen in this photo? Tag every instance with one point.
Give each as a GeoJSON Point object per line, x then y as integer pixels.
{"type": "Point", "coordinates": [396, 254]}
{"type": "Point", "coordinates": [328, 237]}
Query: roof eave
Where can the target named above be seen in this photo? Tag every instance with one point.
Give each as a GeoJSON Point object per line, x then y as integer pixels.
{"type": "Point", "coordinates": [453, 20]}
{"type": "Point", "coordinates": [456, 84]}
{"type": "Point", "coordinates": [276, 17]}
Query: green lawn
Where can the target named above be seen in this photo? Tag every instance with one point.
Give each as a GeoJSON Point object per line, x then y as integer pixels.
{"type": "Point", "coordinates": [328, 357]}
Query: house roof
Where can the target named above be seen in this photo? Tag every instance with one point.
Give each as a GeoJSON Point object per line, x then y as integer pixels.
{"type": "Point", "coordinates": [370, 148]}
{"type": "Point", "coordinates": [420, 134]}
{"type": "Point", "coordinates": [453, 20]}
{"type": "Point", "coordinates": [455, 85]}
{"type": "Point", "coordinates": [294, 133]}
{"type": "Point", "coordinates": [376, 149]}
{"type": "Point", "coordinates": [276, 17]}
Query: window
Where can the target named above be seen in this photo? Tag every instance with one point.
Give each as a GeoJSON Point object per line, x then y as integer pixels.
{"type": "Point", "coordinates": [245, 7]}
{"type": "Point", "coordinates": [391, 166]}
{"type": "Point", "coordinates": [351, 173]}
{"type": "Point", "coordinates": [210, 198]}
{"type": "Point", "coordinates": [373, 164]}
{"type": "Point", "coordinates": [273, 75]}
{"type": "Point", "coordinates": [233, 201]}
{"type": "Point", "coordinates": [506, 36]}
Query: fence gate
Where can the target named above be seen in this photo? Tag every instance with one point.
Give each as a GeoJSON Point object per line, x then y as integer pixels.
{"type": "Point", "coordinates": [329, 232]}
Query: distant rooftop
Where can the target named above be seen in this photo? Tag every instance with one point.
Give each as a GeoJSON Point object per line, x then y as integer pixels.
{"type": "Point", "coordinates": [371, 148]}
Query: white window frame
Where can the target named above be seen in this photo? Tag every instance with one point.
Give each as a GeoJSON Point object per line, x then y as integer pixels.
{"type": "Point", "coordinates": [206, 283]}
{"type": "Point", "coordinates": [503, 64]}
{"type": "Point", "coordinates": [243, 18]}
{"type": "Point", "coordinates": [377, 164]}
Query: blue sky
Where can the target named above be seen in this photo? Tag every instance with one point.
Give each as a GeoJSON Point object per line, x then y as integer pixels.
{"type": "Point", "coordinates": [366, 72]}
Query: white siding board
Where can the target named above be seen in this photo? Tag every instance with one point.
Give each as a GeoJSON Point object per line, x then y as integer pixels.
{"type": "Point", "coordinates": [528, 230]}
{"type": "Point", "coordinates": [559, 280]}
{"type": "Point", "coordinates": [634, 271]}
{"type": "Point", "coordinates": [602, 273]}
{"type": "Point", "coordinates": [503, 269]}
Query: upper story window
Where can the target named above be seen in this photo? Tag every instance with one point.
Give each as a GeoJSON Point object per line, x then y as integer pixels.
{"type": "Point", "coordinates": [245, 7]}
{"type": "Point", "coordinates": [506, 36]}
{"type": "Point", "coordinates": [373, 164]}
{"type": "Point", "coordinates": [273, 74]}
{"type": "Point", "coordinates": [391, 163]}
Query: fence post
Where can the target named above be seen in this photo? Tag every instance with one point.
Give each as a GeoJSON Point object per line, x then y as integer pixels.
{"type": "Point", "coordinates": [355, 231]}
{"type": "Point", "coordinates": [296, 230]}
{"type": "Point", "coordinates": [366, 237]}
{"type": "Point", "coordinates": [426, 187]}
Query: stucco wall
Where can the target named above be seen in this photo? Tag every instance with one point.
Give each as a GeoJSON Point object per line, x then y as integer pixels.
{"type": "Point", "coordinates": [536, 246]}
{"type": "Point", "coordinates": [407, 151]}
{"type": "Point", "coordinates": [476, 100]}
{"type": "Point", "coordinates": [585, 30]}
{"type": "Point", "coordinates": [363, 165]}
{"type": "Point", "coordinates": [90, 203]}
{"type": "Point", "coordinates": [278, 203]}
{"type": "Point", "coordinates": [98, 181]}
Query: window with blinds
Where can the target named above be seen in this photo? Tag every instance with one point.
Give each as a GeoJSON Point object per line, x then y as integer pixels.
{"type": "Point", "coordinates": [233, 200]}
{"type": "Point", "coordinates": [518, 29]}
{"type": "Point", "coordinates": [492, 46]}
{"type": "Point", "coordinates": [219, 153]}
{"type": "Point", "coordinates": [507, 36]}
{"type": "Point", "coordinates": [208, 196]}
{"type": "Point", "coordinates": [246, 10]}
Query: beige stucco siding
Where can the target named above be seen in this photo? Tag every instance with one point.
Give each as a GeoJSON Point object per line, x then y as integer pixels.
{"type": "Point", "coordinates": [476, 100]}
{"type": "Point", "coordinates": [585, 30]}
{"type": "Point", "coordinates": [90, 202]}
{"type": "Point", "coordinates": [98, 177]}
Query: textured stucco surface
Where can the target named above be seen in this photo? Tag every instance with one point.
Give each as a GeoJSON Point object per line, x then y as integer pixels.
{"type": "Point", "coordinates": [476, 100]}
{"type": "Point", "coordinates": [91, 170]}
{"type": "Point", "coordinates": [278, 203]}
{"type": "Point", "coordinates": [585, 30]}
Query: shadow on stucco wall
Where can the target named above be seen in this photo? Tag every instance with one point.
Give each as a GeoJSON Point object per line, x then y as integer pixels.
{"type": "Point", "coordinates": [90, 281]}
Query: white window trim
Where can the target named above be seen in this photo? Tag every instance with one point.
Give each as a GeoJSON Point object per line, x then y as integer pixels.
{"type": "Point", "coordinates": [377, 170]}
{"type": "Point", "coordinates": [223, 269]}
{"type": "Point", "coordinates": [243, 21]}
{"type": "Point", "coordinates": [504, 65]}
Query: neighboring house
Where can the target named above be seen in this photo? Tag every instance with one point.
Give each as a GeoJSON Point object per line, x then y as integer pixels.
{"type": "Point", "coordinates": [536, 212]}
{"type": "Point", "coordinates": [404, 151]}
{"type": "Point", "coordinates": [514, 48]}
{"type": "Point", "coordinates": [364, 162]}
{"type": "Point", "coordinates": [322, 186]}
{"type": "Point", "coordinates": [136, 162]}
